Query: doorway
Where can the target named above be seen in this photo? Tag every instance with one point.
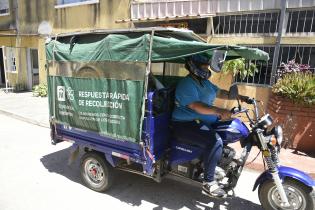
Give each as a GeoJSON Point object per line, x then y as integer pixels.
{"type": "Point", "coordinates": [33, 71]}
{"type": "Point", "coordinates": [2, 73]}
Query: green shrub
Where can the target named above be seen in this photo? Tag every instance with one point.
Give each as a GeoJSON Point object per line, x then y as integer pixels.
{"type": "Point", "coordinates": [238, 67]}
{"type": "Point", "coordinates": [298, 86]}
{"type": "Point", "coordinates": [40, 90]}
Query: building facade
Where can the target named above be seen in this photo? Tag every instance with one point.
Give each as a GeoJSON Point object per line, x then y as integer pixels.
{"type": "Point", "coordinates": [22, 54]}
{"type": "Point", "coordinates": [283, 28]}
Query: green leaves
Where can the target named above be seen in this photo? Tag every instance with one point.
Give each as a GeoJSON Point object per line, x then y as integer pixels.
{"type": "Point", "coordinates": [40, 90]}
{"type": "Point", "coordinates": [297, 86]}
{"type": "Point", "coordinates": [238, 67]}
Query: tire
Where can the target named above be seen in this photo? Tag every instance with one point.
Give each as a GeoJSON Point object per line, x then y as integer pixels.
{"type": "Point", "coordinates": [96, 173]}
{"type": "Point", "coordinates": [299, 194]}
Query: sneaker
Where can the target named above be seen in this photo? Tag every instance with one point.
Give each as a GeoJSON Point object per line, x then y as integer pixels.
{"type": "Point", "coordinates": [212, 189]}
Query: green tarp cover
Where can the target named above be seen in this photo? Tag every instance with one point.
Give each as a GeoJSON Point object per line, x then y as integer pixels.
{"type": "Point", "coordinates": [110, 99]}
{"type": "Point", "coordinates": [134, 48]}
{"type": "Point", "coordinates": [110, 107]}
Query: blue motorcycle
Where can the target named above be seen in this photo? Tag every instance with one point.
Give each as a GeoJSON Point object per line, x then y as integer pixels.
{"type": "Point", "coordinates": [94, 76]}
{"type": "Point", "coordinates": [279, 187]}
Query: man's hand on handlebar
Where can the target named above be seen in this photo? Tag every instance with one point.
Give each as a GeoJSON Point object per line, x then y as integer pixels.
{"type": "Point", "coordinates": [238, 110]}
{"type": "Point", "coordinates": [242, 98]}
{"type": "Point", "coordinates": [245, 99]}
{"type": "Point", "coordinates": [224, 114]}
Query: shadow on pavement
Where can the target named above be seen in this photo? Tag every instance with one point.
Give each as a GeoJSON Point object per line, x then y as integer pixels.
{"type": "Point", "coordinates": [134, 189]}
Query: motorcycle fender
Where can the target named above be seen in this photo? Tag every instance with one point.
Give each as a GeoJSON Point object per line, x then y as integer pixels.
{"type": "Point", "coordinates": [286, 172]}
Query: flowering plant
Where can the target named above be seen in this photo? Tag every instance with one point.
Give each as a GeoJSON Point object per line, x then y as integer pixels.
{"type": "Point", "coordinates": [296, 82]}
{"type": "Point", "coordinates": [292, 67]}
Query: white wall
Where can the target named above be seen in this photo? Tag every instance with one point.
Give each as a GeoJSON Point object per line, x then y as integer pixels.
{"type": "Point", "coordinates": [166, 8]}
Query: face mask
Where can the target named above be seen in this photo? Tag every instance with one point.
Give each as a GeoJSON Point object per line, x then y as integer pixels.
{"type": "Point", "coordinates": [200, 73]}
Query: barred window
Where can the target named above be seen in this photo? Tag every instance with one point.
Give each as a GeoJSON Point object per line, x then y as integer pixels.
{"type": "Point", "coordinates": [301, 21]}
{"type": "Point", "coordinates": [263, 76]}
{"type": "Point", "coordinates": [247, 23]}
{"type": "Point", "coordinates": [301, 53]}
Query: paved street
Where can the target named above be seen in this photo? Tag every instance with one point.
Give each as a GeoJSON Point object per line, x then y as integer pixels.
{"type": "Point", "coordinates": [34, 175]}
{"type": "Point", "coordinates": [34, 110]}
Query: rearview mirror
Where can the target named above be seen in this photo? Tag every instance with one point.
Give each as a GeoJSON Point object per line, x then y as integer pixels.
{"type": "Point", "coordinates": [218, 57]}
{"type": "Point", "coordinates": [233, 92]}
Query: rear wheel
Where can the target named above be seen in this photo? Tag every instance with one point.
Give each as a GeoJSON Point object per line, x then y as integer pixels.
{"type": "Point", "coordinates": [298, 195]}
{"type": "Point", "coordinates": [96, 172]}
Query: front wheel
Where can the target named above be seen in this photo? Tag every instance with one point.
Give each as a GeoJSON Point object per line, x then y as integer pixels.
{"type": "Point", "coordinates": [298, 195]}
{"type": "Point", "coordinates": [96, 173]}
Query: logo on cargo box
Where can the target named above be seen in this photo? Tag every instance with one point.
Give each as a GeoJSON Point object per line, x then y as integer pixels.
{"type": "Point", "coordinates": [61, 93]}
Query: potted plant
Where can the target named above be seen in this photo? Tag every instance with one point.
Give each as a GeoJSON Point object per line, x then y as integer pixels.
{"type": "Point", "coordinates": [292, 104]}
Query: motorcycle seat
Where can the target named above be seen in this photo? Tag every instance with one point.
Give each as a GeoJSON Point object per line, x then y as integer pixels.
{"type": "Point", "coordinates": [187, 139]}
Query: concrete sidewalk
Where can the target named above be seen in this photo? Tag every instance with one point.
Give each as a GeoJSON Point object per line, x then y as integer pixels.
{"type": "Point", "coordinates": [24, 106]}
{"type": "Point", "coordinates": [287, 157]}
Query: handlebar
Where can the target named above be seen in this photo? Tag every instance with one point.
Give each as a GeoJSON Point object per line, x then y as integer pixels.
{"type": "Point", "coordinates": [247, 99]}
{"type": "Point", "coordinates": [239, 109]}
{"type": "Point", "coordinates": [236, 110]}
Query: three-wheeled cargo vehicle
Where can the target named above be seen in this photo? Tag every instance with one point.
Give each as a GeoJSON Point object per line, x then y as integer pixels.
{"type": "Point", "coordinates": [106, 98]}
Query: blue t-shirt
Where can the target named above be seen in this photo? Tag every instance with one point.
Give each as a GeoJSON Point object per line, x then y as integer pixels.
{"type": "Point", "coordinates": [188, 91]}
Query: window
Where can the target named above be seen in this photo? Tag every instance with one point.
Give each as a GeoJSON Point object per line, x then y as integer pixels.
{"type": "Point", "coordinates": [246, 23]}
{"type": "Point", "coordinates": [4, 7]}
{"type": "Point", "coordinates": [70, 3]}
{"type": "Point", "coordinates": [301, 53]}
{"type": "Point", "coordinates": [10, 62]}
{"type": "Point", "coordinates": [301, 21]}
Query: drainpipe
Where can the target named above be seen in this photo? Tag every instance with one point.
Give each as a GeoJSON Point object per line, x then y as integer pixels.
{"type": "Point", "coordinates": [17, 49]}
{"type": "Point", "coordinates": [281, 29]}
{"type": "Point", "coordinates": [16, 14]}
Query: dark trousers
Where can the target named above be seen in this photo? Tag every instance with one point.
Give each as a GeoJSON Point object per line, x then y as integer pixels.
{"type": "Point", "coordinates": [205, 137]}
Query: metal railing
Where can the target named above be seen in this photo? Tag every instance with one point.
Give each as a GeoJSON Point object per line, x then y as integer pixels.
{"type": "Point", "coordinates": [256, 23]}
{"type": "Point", "coordinates": [301, 53]}
{"type": "Point", "coordinates": [263, 76]}
{"type": "Point", "coordinates": [301, 21]}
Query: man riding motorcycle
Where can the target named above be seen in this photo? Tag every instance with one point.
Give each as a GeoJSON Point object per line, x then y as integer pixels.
{"type": "Point", "coordinates": [194, 113]}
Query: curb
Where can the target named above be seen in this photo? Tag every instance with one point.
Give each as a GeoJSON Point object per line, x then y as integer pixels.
{"type": "Point", "coordinates": [259, 167]}
{"type": "Point", "coordinates": [18, 117]}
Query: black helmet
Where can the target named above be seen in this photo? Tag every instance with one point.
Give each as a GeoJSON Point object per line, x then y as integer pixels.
{"type": "Point", "coordinates": [193, 64]}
